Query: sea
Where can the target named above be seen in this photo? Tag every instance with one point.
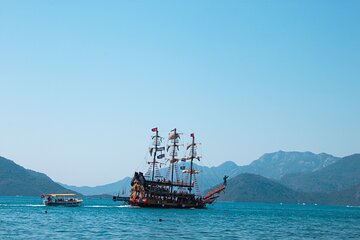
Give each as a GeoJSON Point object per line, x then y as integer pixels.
{"type": "Point", "coordinates": [25, 218]}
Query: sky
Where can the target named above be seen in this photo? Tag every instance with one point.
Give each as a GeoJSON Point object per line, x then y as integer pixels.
{"type": "Point", "coordinates": [83, 82]}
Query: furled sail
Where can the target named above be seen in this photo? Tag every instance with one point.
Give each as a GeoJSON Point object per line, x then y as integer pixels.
{"type": "Point", "coordinates": [161, 156]}
{"type": "Point", "coordinates": [172, 160]}
{"type": "Point", "coordinates": [173, 135]}
{"type": "Point", "coordinates": [188, 171]}
{"type": "Point", "coordinates": [160, 149]}
{"type": "Point", "coordinates": [189, 158]}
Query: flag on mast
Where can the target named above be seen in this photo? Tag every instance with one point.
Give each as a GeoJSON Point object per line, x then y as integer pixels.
{"type": "Point", "coordinates": [154, 129]}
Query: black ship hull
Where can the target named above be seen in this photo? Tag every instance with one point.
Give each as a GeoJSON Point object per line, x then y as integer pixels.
{"type": "Point", "coordinates": [154, 203]}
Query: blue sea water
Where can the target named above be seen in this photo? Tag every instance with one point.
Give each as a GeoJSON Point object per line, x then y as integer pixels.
{"type": "Point", "coordinates": [25, 218]}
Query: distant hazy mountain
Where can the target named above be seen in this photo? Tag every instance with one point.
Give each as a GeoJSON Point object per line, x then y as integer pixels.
{"type": "Point", "coordinates": [276, 165]}
{"type": "Point", "coordinates": [121, 187]}
{"type": "Point", "coordinates": [16, 180]}
{"type": "Point", "coordinates": [341, 175]}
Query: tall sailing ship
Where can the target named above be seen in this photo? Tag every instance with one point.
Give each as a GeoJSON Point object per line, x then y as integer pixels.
{"type": "Point", "coordinates": [173, 190]}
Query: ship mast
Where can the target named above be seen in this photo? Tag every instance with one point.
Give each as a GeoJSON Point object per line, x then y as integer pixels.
{"type": "Point", "coordinates": [154, 158]}
{"type": "Point", "coordinates": [192, 155]}
{"type": "Point", "coordinates": [192, 158]}
{"type": "Point", "coordinates": [156, 141]}
{"type": "Point", "coordinates": [173, 147]}
{"type": "Point", "coordinates": [173, 159]}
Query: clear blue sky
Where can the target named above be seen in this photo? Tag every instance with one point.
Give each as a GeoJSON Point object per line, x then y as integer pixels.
{"type": "Point", "coordinates": [83, 82]}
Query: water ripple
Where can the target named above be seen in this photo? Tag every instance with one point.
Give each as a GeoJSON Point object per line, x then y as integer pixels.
{"type": "Point", "coordinates": [103, 219]}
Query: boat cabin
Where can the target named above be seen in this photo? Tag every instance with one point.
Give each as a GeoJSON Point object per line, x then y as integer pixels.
{"type": "Point", "coordinates": [65, 200]}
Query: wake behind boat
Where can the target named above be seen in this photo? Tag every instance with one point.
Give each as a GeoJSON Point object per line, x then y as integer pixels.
{"type": "Point", "coordinates": [64, 200]}
{"type": "Point", "coordinates": [173, 190]}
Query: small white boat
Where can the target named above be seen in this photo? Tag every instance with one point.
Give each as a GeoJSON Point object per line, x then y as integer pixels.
{"type": "Point", "coordinates": [65, 200]}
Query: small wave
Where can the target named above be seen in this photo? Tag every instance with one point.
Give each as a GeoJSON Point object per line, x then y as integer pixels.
{"type": "Point", "coordinates": [350, 206]}
{"type": "Point", "coordinates": [34, 205]}
{"type": "Point", "coordinates": [22, 205]}
{"type": "Point", "coordinates": [102, 206]}
{"type": "Point", "coordinates": [127, 206]}
{"type": "Point", "coordinates": [98, 206]}
{"type": "Point", "coordinates": [112, 206]}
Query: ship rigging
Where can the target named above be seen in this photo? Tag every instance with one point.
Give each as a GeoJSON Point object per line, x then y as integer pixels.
{"type": "Point", "coordinates": [174, 190]}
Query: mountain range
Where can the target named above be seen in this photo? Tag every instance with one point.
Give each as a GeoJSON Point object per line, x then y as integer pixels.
{"type": "Point", "coordinates": [271, 165]}
{"type": "Point", "coordinates": [16, 180]}
{"type": "Point", "coordinates": [337, 184]}
{"type": "Point", "coordinates": [278, 164]}
{"type": "Point", "coordinates": [344, 173]}
{"type": "Point", "coordinates": [120, 187]}
{"type": "Point", "coordinates": [287, 177]}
